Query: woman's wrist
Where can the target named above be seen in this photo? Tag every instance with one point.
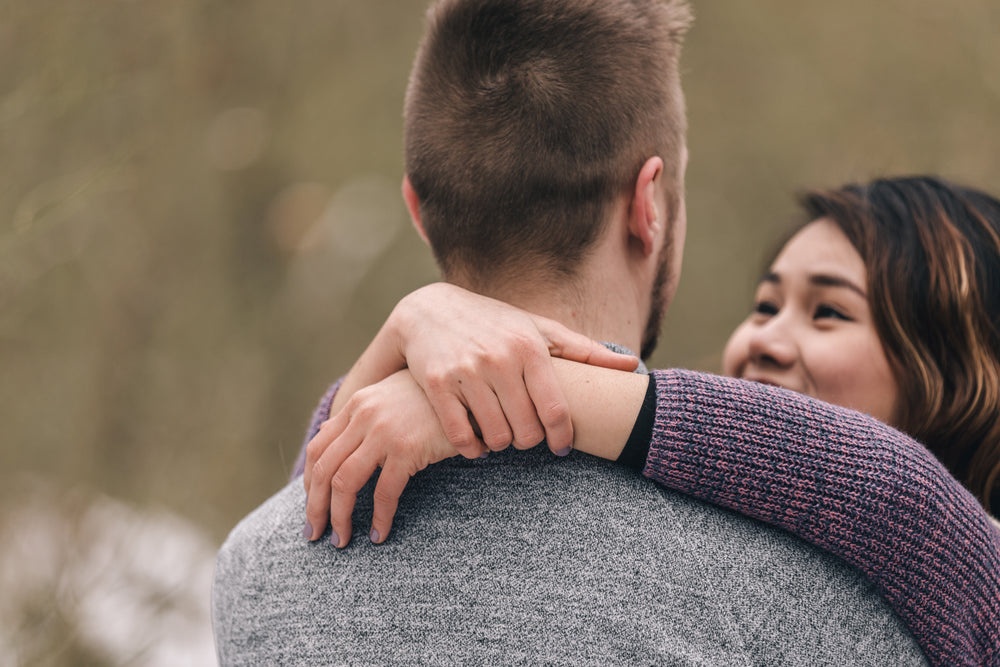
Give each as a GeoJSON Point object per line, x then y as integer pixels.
{"type": "Point", "coordinates": [636, 449]}
{"type": "Point", "coordinates": [603, 404]}
{"type": "Point", "coordinates": [381, 359]}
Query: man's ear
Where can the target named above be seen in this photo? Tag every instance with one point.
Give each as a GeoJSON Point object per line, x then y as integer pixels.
{"type": "Point", "coordinates": [413, 206]}
{"type": "Point", "coordinates": [646, 221]}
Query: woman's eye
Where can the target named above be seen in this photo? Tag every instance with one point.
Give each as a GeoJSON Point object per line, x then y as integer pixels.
{"type": "Point", "coordinates": [829, 312]}
{"type": "Point", "coordinates": [765, 308]}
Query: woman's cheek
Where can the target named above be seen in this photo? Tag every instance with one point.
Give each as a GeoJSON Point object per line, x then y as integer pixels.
{"type": "Point", "coordinates": [736, 352]}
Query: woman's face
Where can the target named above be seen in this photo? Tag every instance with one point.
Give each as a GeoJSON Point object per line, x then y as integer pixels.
{"type": "Point", "coordinates": [811, 328]}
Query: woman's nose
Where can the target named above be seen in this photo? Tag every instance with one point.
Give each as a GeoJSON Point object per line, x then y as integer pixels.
{"type": "Point", "coordinates": [773, 344]}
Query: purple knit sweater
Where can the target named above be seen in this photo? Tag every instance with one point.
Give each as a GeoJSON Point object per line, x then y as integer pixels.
{"type": "Point", "coordinates": [842, 481]}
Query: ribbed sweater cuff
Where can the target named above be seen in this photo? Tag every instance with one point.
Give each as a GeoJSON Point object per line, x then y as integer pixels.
{"type": "Point", "coordinates": [637, 447]}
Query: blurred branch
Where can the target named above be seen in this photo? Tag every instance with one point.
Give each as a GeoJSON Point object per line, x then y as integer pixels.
{"type": "Point", "coordinates": [65, 194]}
{"type": "Point", "coordinates": [40, 236]}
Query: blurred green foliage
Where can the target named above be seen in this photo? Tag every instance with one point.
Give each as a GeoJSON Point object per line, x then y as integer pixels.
{"type": "Point", "coordinates": [200, 224]}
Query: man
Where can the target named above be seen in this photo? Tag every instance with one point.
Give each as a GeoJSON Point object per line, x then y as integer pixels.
{"type": "Point", "coordinates": [545, 159]}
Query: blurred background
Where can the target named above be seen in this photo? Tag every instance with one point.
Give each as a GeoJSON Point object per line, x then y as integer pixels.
{"type": "Point", "coordinates": [201, 227]}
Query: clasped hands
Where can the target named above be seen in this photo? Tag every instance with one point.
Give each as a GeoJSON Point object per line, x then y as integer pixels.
{"type": "Point", "coordinates": [444, 360]}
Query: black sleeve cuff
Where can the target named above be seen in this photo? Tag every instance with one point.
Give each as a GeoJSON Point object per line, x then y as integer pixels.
{"type": "Point", "coordinates": [637, 448]}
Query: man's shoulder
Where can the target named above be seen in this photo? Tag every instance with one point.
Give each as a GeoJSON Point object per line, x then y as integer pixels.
{"type": "Point", "coordinates": [513, 556]}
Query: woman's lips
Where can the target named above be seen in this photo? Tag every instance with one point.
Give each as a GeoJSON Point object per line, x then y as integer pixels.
{"type": "Point", "coordinates": [767, 380]}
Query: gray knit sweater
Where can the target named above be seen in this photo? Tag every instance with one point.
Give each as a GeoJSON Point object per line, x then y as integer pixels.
{"type": "Point", "coordinates": [524, 558]}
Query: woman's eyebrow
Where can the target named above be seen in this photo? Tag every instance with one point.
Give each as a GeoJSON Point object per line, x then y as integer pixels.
{"type": "Point", "coordinates": [826, 280]}
{"type": "Point", "coordinates": [818, 279]}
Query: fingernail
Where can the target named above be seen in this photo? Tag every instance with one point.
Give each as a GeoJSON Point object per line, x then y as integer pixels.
{"type": "Point", "coordinates": [307, 532]}
{"type": "Point", "coordinates": [484, 455]}
{"type": "Point", "coordinates": [564, 451]}
{"type": "Point", "coordinates": [374, 536]}
{"type": "Point", "coordinates": [334, 540]}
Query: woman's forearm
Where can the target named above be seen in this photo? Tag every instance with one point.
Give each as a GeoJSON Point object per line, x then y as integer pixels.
{"type": "Point", "coordinates": [603, 404]}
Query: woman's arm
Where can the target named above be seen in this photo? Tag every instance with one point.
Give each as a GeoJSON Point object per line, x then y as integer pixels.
{"type": "Point", "coordinates": [391, 425]}
{"type": "Point", "coordinates": [475, 355]}
{"type": "Point", "coordinates": [839, 479]}
{"type": "Point", "coordinates": [605, 403]}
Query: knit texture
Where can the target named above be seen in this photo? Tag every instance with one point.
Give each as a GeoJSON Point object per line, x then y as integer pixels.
{"type": "Point", "coordinates": [528, 558]}
{"type": "Point", "coordinates": [848, 484]}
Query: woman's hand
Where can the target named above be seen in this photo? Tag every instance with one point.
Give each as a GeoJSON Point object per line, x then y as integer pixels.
{"type": "Point", "coordinates": [473, 354]}
{"type": "Point", "coordinates": [389, 425]}
{"type": "Point", "coordinates": [392, 425]}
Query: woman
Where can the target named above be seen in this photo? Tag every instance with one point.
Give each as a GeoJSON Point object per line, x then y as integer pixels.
{"type": "Point", "coordinates": [930, 252]}
{"type": "Point", "coordinates": [888, 302]}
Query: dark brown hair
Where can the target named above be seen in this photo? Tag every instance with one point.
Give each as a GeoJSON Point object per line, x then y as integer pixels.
{"type": "Point", "coordinates": [932, 253]}
{"type": "Point", "coordinates": [526, 119]}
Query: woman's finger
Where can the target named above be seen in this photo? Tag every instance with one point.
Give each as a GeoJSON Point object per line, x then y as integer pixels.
{"type": "Point", "coordinates": [485, 408]}
{"type": "Point", "coordinates": [454, 419]}
{"type": "Point", "coordinates": [550, 404]}
{"type": "Point", "coordinates": [324, 470]}
{"type": "Point", "coordinates": [328, 432]}
{"type": "Point", "coordinates": [519, 410]}
{"type": "Point", "coordinates": [568, 344]}
{"type": "Point", "coordinates": [351, 476]}
{"type": "Point", "coordinates": [391, 483]}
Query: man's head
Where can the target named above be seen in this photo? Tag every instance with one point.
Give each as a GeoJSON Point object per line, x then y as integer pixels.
{"type": "Point", "coordinates": [528, 122]}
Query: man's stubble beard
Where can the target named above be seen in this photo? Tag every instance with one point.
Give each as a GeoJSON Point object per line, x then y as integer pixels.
{"type": "Point", "coordinates": [657, 303]}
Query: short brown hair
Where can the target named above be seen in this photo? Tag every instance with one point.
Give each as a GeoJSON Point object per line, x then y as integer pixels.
{"type": "Point", "coordinates": [526, 119]}
{"type": "Point", "coordinates": [932, 253]}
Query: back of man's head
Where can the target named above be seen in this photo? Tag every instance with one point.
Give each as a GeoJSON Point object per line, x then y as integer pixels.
{"type": "Point", "coordinates": [526, 120]}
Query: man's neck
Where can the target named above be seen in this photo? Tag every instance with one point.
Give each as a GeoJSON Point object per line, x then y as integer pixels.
{"type": "Point", "coordinates": [608, 298]}
{"type": "Point", "coordinates": [599, 312]}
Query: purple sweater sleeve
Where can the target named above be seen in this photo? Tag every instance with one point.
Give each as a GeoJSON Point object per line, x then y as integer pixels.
{"type": "Point", "coordinates": [848, 484]}
{"type": "Point", "coordinates": [320, 415]}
